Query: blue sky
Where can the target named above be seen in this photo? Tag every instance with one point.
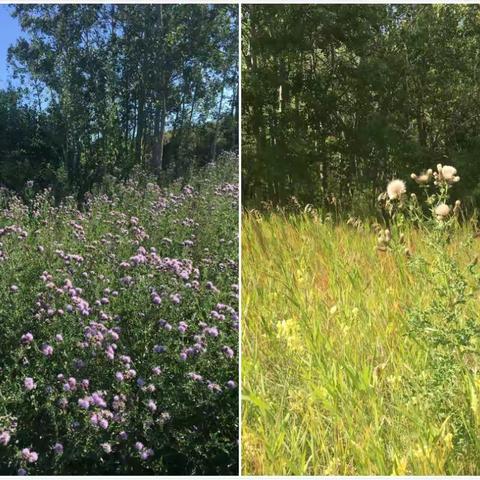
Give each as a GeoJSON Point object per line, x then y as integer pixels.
{"type": "Point", "coordinates": [9, 32]}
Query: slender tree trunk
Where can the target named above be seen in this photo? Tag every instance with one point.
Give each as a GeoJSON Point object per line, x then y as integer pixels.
{"type": "Point", "coordinates": [217, 123]}
{"type": "Point", "coordinates": [140, 128]}
{"type": "Point", "coordinates": [159, 135]}
{"type": "Point", "coordinates": [160, 111]}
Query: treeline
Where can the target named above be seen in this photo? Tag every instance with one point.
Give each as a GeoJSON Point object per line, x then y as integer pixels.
{"type": "Point", "coordinates": [339, 99]}
{"type": "Point", "coordinates": [101, 89]}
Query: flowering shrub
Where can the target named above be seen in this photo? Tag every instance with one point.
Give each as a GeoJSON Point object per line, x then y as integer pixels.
{"type": "Point", "coordinates": [118, 334]}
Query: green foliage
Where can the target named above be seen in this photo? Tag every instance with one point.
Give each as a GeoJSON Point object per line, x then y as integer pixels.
{"type": "Point", "coordinates": [338, 99]}
{"type": "Point", "coordinates": [102, 88]}
{"type": "Point", "coordinates": [445, 324]}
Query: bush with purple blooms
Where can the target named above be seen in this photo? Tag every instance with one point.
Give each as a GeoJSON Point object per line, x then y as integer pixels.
{"type": "Point", "coordinates": [119, 329]}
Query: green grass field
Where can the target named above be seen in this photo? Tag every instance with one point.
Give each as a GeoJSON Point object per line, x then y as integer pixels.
{"type": "Point", "coordinates": [333, 383]}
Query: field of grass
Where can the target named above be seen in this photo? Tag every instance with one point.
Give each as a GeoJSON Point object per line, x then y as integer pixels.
{"type": "Point", "coordinates": [119, 329]}
{"type": "Point", "coordinates": [335, 379]}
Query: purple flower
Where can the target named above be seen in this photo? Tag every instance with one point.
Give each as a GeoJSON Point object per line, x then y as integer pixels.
{"type": "Point", "coordinates": [84, 403]}
{"type": "Point", "coordinates": [175, 298]}
{"type": "Point", "coordinates": [47, 350]}
{"type": "Point", "coordinates": [4, 438]}
{"type": "Point", "coordinates": [113, 335]}
{"type": "Point", "coordinates": [159, 349]}
{"type": "Point", "coordinates": [27, 338]}
{"type": "Point", "coordinates": [231, 384]}
{"type": "Point", "coordinates": [139, 446]}
{"type": "Point", "coordinates": [29, 384]}
{"type": "Point", "coordinates": [228, 352]}
{"type": "Point", "coordinates": [58, 448]}
{"type": "Point", "coordinates": [214, 387]}
{"type": "Point", "coordinates": [152, 406]}
{"type": "Point", "coordinates": [119, 377]}
{"type": "Point", "coordinates": [110, 352]}
{"type": "Point", "coordinates": [29, 456]}
{"type": "Point", "coordinates": [212, 331]}
{"type": "Point", "coordinates": [123, 435]}
{"type": "Point", "coordinates": [98, 400]}
{"type": "Point", "coordinates": [182, 327]}
{"type": "Point", "coordinates": [103, 423]}
{"type": "Point", "coordinates": [59, 337]}
{"type": "Point", "coordinates": [145, 454]}
{"type": "Point", "coordinates": [125, 359]}
{"type": "Point", "coordinates": [22, 472]}
{"type": "Point", "coordinates": [157, 370]}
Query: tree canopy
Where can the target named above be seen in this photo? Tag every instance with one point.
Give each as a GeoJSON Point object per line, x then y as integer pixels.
{"type": "Point", "coordinates": [102, 88]}
{"type": "Point", "coordinates": [339, 99]}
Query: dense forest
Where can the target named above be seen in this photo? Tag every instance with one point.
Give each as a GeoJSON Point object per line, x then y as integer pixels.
{"type": "Point", "coordinates": [102, 89]}
{"type": "Point", "coordinates": [337, 100]}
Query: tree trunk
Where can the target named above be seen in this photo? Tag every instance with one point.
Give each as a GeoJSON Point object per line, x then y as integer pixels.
{"type": "Point", "coordinates": [140, 128]}
{"type": "Point", "coordinates": [217, 123]}
{"type": "Point", "coordinates": [159, 136]}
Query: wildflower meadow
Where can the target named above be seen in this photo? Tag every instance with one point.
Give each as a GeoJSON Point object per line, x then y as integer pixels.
{"type": "Point", "coordinates": [361, 336]}
{"type": "Point", "coordinates": [119, 321]}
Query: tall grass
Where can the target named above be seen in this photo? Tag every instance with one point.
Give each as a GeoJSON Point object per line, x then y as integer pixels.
{"type": "Point", "coordinates": [334, 381]}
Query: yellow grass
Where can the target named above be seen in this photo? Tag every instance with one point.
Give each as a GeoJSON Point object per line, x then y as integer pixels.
{"type": "Point", "coordinates": [327, 364]}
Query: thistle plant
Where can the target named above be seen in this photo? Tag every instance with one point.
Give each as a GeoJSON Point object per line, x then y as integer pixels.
{"type": "Point", "coordinates": [446, 327]}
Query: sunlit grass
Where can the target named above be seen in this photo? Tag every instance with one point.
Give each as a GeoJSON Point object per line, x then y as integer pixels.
{"type": "Point", "coordinates": [327, 366]}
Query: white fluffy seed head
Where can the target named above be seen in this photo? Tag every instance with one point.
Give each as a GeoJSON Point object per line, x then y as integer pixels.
{"type": "Point", "coordinates": [423, 178]}
{"type": "Point", "coordinates": [448, 173]}
{"type": "Point", "coordinates": [395, 189]}
{"type": "Point", "coordinates": [442, 210]}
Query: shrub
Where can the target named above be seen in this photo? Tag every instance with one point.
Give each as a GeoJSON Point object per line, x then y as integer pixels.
{"type": "Point", "coordinates": [119, 329]}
